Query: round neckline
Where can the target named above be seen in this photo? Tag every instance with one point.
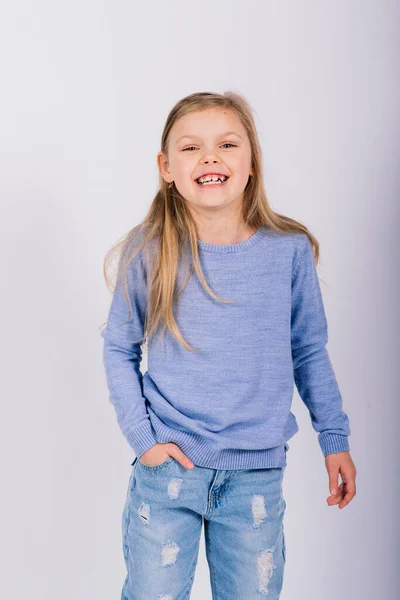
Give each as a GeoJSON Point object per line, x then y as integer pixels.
{"type": "Point", "coordinates": [238, 247]}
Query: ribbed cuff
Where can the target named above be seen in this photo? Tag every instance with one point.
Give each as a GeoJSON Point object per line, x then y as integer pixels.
{"type": "Point", "coordinates": [333, 442]}
{"type": "Point", "coordinates": [141, 438]}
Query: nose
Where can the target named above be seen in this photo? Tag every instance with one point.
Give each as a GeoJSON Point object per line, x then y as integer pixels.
{"type": "Point", "coordinates": [209, 156]}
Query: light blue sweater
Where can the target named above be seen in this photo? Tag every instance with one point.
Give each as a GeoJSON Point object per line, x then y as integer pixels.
{"type": "Point", "coordinates": [228, 405]}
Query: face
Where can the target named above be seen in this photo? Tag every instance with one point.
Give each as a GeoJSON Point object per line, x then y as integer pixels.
{"type": "Point", "coordinates": [211, 141]}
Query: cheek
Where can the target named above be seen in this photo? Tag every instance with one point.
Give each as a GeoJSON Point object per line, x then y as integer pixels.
{"type": "Point", "coordinates": [241, 171]}
{"type": "Point", "coordinates": [183, 170]}
{"type": "Point", "coordinates": [239, 162]}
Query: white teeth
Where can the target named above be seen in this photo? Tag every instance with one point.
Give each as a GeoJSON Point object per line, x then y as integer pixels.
{"type": "Point", "coordinates": [211, 180]}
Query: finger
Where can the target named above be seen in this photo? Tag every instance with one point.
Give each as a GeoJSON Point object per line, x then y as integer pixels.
{"type": "Point", "coordinates": [349, 495]}
{"type": "Point", "coordinates": [180, 456]}
{"type": "Point", "coordinates": [336, 498]}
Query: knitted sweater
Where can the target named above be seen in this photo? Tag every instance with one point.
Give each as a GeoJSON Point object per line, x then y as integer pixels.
{"type": "Point", "coordinates": [227, 405]}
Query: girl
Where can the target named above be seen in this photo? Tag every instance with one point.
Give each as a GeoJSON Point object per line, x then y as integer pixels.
{"type": "Point", "coordinates": [224, 294]}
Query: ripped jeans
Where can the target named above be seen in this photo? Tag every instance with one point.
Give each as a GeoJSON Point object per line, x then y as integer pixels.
{"type": "Point", "coordinates": [162, 520]}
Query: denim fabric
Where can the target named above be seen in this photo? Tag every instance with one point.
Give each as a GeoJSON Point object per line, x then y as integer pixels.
{"type": "Point", "coordinates": [162, 520]}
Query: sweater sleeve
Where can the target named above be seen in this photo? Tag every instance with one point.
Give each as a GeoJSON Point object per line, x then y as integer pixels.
{"type": "Point", "coordinates": [122, 356]}
{"type": "Point", "coordinates": [313, 372]}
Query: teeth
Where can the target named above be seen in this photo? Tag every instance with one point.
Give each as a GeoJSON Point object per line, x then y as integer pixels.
{"type": "Point", "coordinates": [210, 180]}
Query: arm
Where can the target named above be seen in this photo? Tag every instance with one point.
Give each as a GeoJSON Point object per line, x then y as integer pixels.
{"type": "Point", "coordinates": [122, 356]}
{"type": "Point", "coordinates": [313, 372]}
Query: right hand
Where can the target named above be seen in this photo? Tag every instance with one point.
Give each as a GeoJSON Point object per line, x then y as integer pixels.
{"type": "Point", "coordinates": [159, 453]}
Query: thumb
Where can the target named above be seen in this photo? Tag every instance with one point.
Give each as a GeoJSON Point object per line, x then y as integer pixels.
{"type": "Point", "coordinates": [333, 481]}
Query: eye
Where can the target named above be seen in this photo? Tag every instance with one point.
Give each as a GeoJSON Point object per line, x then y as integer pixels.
{"type": "Point", "coordinates": [226, 144]}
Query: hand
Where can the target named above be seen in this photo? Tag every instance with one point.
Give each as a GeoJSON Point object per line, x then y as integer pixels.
{"type": "Point", "coordinates": [159, 453]}
{"type": "Point", "coordinates": [343, 463]}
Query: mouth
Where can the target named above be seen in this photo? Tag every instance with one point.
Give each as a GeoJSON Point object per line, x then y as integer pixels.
{"type": "Point", "coordinates": [213, 181]}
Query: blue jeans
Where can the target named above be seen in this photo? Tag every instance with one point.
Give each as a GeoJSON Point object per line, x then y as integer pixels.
{"type": "Point", "coordinates": [243, 527]}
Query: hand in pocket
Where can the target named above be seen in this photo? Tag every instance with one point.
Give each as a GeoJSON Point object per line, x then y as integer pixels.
{"type": "Point", "coordinates": [159, 453]}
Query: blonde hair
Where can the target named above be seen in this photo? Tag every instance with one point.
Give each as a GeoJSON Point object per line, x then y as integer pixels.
{"type": "Point", "coordinates": [169, 222]}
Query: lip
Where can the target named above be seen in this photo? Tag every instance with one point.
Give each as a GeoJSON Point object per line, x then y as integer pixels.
{"type": "Point", "coordinates": [213, 173]}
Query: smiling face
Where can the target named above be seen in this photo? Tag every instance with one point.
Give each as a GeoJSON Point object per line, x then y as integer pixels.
{"type": "Point", "coordinates": [210, 141]}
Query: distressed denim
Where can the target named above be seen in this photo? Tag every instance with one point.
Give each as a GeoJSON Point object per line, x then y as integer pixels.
{"type": "Point", "coordinates": [162, 520]}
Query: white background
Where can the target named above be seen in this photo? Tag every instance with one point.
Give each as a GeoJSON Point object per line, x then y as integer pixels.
{"type": "Point", "coordinates": [86, 87]}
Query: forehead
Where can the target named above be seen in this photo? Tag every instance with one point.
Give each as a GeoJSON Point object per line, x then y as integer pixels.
{"type": "Point", "coordinates": [210, 122]}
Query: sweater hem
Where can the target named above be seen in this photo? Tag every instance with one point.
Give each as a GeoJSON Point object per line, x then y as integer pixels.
{"type": "Point", "coordinates": [202, 455]}
{"type": "Point", "coordinates": [141, 438]}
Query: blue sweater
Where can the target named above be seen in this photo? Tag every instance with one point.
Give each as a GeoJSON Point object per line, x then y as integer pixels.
{"type": "Point", "coordinates": [228, 405]}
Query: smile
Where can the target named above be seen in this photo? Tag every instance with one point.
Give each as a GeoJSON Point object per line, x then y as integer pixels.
{"type": "Point", "coordinates": [213, 181]}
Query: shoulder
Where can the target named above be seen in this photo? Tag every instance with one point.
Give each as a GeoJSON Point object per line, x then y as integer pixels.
{"type": "Point", "coordinates": [140, 244]}
{"type": "Point", "coordinates": [292, 245]}
{"type": "Point", "coordinates": [133, 262]}
{"type": "Point", "coordinates": [301, 245]}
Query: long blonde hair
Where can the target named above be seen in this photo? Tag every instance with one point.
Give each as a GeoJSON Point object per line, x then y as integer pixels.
{"type": "Point", "coordinates": [169, 223]}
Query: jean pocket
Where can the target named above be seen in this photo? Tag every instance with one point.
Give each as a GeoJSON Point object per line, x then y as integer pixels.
{"type": "Point", "coordinates": [155, 467]}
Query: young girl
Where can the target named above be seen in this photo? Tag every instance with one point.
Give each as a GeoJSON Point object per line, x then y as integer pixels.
{"type": "Point", "coordinates": [224, 293]}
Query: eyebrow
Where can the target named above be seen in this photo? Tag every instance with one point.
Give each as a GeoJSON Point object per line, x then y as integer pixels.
{"type": "Point", "coordinates": [192, 135]}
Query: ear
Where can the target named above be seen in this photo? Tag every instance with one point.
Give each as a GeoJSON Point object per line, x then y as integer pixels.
{"type": "Point", "coordinates": [163, 167]}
